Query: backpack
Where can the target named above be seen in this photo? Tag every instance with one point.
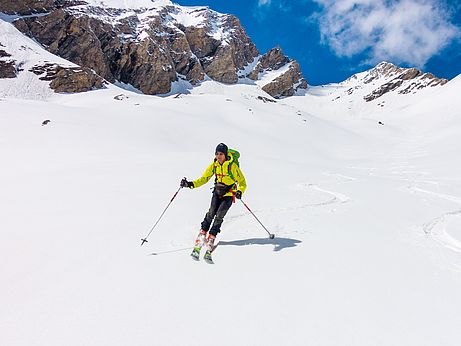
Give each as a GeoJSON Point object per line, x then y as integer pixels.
{"type": "Point", "coordinates": [236, 156]}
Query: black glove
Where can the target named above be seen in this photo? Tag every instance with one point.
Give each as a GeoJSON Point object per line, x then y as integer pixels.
{"type": "Point", "coordinates": [238, 194]}
{"type": "Point", "coordinates": [185, 183]}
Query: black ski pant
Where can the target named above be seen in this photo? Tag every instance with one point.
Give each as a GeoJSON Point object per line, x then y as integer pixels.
{"type": "Point", "coordinates": [218, 209]}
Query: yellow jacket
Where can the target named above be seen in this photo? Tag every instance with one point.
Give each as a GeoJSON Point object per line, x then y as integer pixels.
{"type": "Point", "coordinates": [223, 176]}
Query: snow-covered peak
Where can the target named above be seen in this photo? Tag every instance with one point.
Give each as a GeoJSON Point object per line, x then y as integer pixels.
{"type": "Point", "coordinates": [387, 77]}
{"type": "Point", "coordinates": [383, 70]}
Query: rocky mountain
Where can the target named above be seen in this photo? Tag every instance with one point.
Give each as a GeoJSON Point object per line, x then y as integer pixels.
{"type": "Point", "coordinates": [381, 86]}
{"type": "Point", "coordinates": [150, 44]}
{"type": "Point", "coordinates": [387, 78]}
{"type": "Point", "coordinates": [153, 45]}
{"type": "Point", "coordinates": [279, 76]}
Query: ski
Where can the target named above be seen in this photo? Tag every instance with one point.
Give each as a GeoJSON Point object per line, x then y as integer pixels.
{"type": "Point", "coordinates": [195, 254]}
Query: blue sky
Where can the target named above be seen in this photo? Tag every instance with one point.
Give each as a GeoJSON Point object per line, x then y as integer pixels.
{"type": "Point", "coordinates": [333, 39]}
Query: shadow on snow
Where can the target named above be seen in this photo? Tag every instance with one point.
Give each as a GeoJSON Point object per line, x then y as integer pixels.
{"type": "Point", "coordinates": [279, 243]}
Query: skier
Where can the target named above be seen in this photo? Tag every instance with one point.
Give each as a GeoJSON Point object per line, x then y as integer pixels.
{"type": "Point", "coordinates": [229, 184]}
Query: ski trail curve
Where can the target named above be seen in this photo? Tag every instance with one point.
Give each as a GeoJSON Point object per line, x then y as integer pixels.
{"type": "Point", "coordinates": [437, 228]}
{"type": "Point", "coordinates": [450, 198]}
{"type": "Point", "coordinates": [336, 197]}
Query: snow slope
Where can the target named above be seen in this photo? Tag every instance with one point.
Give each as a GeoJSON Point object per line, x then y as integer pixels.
{"type": "Point", "coordinates": [366, 217]}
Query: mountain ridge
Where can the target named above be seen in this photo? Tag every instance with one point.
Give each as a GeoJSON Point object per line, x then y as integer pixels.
{"type": "Point", "coordinates": [148, 48]}
{"type": "Point", "coordinates": [158, 47]}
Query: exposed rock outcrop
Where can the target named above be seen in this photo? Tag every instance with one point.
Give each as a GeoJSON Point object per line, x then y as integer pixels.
{"type": "Point", "coordinates": [68, 79]}
{"type": "Point", "coordinates": [287, 83]}
{"type": "Point", "coordinates": [7, 66]}
{"type": "Point", "coordinates": [150, 48]}
{"type": "Point", "coordinates": [272, 60]}
{"type": "Point", "coordinates": [7, 69]}
{"type": "Point", "coordinates": [405, 80]}
{"type": "Point", "coordinates": [145, 48]}
{"type": "Point", "coordinates": [27, 7]}
{"type": "Point", "coordinates": [386, 78]}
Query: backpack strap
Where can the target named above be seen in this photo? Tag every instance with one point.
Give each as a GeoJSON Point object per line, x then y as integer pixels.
{"type": "Point", "coordinates": [230, 171]}
{"type": "Point", "coordinates": [214, 171]}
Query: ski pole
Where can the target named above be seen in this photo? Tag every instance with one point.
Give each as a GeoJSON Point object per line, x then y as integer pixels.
{"type": "Point", "coordinates": [144, 240]}
{"type": "Point", "coordinates": [271, 236]}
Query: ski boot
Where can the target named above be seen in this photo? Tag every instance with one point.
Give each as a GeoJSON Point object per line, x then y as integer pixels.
{"type": "Point", "coordinates": [209, 248]}
{"type": "Point", "coordinates": [198, 245]}
{"type": "Point", "coordinates": [208, 258]}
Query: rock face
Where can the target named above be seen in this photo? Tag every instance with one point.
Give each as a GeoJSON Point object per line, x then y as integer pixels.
{"type": "Point", "coordinates": [68, 79]}
{"type": "Point", "coordinates": [149, 48]}
{"type": "Point", "coordinates": [34, 71]}
{"type": "Point", "coordinates": [272, 60]}
{"type": "Point", "coordinates": [383, 85]}
{"type": "Point", "coordinates": [27, 7]}
{"type": "Point", "coordinates": [286, 82]}
{"type": "Point", "coordinates": [401, 80]}
{"type": "Point", "coordinates": [7, 66]}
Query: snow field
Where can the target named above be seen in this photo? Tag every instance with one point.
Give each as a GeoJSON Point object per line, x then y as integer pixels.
{"type": "Point", "coordinates": [351, 263]}
{"type": "Point", "coordinates": [366, 217]}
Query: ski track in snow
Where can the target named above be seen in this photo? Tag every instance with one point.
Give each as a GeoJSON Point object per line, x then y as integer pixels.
{"type": "Point", "coordinates": [343, 177]}
{"type": "Point", "coordinates": [336, 198]}
{"type": "Point", "coordinates": [450, 198]}
{"type": "Point", "coordinates": [437, 228]}
{"type": "Point", "coordinates": [400, 169]}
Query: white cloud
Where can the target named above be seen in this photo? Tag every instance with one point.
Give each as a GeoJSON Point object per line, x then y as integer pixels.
{"type": "Point", "coordinates": [402, 31]}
